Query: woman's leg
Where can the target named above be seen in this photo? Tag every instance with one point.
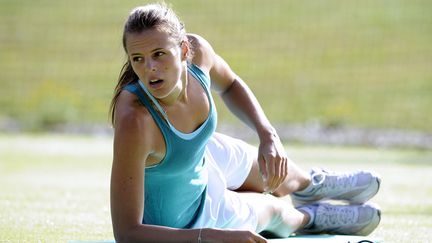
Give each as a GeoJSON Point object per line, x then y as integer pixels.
{"type": "Point", "coordinates": [238, 165]}
{"type": "Point", "coordinates": [230, 162]}
{"type": "Point", "coordinates": [282, 219]}
{"type": "Point", "coordinates": [296, 180]}
{"type": "Point", "coordinates": [354, 187]}
{"type": "Point", "coordinates": [238, 161]}
{"type": "Point", "coordinates": [275, 215]}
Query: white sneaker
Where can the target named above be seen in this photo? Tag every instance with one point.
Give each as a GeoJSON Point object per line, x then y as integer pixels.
{"type": "Point", "coordinates": [355, 187]}
{"type": "Point", "coordinates": [341, 219]}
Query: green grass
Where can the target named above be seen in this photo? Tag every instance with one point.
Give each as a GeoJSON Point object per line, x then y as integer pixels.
{"type": "Point", "coordinates": [56, 188]}
{"type": "Point", "coordinates": [364, 64]}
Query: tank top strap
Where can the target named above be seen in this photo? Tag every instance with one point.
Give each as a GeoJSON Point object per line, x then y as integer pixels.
{"type": "Point", "coordinates": [153, 100]}
{"type": "Point", "coordinates": [198, 74]}
{"type": "Point", "coordinates": [143, 96]}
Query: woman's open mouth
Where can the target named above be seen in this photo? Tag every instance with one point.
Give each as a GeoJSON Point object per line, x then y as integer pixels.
{"type": "Point", "coordinates": [156, 83]}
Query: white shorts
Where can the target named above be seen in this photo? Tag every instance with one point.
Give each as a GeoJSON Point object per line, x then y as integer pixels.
{"type": "Point", "coordinates": [229, 162]}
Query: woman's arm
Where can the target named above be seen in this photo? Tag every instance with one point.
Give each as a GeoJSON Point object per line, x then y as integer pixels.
{"type": "Point", "coordinates": [132, 146]}
{"type": "Point", "coordinates": [243, 103]}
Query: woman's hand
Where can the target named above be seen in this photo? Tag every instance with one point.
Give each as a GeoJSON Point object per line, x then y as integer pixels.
{"type": "Point", "coordinates": [228, 236]}
{"type": "Point", "coordinates": [273, 162]}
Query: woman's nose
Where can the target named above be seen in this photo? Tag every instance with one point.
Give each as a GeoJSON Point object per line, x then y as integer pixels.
{"type": "Point", "coordinates": [151, 66]}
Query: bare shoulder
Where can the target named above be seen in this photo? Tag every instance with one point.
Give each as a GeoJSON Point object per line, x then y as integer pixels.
{"type": "Point", "coordinates": [129, 112]}
{"type": "Point", "coordinates": [198, 42]}
{"type": "Point", "coordinates": [203, 53]}
{"type": "Point", "coordinates": [133, 124]}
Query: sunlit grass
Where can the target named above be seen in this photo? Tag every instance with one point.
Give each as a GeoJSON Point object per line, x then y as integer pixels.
{"type": "Point", "coordinates": [56, 188]}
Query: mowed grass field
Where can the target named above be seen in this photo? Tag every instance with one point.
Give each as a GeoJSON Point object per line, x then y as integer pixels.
{"type": "Point", "coordinates": [336, 62]}
{"type": "Point", "coordinates": [56, 188]}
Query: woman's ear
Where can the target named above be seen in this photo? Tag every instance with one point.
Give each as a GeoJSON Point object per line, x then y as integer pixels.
{"type": "Point", "coordinates": [184, 50]}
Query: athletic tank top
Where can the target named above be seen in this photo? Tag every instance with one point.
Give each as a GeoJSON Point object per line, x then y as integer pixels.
{"type": "Point", "coordinates": [175, 189]}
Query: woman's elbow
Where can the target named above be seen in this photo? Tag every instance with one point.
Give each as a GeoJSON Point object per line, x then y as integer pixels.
{"type": "Point", "coordinates": [121, 237]}
{"type": "Point", "coordinates": [125, 235]}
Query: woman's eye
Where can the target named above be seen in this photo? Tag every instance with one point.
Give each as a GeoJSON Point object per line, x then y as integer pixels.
{"type": "Point", "coordinates": [158, 54]}
{"type": "Point", "coordinates": [137, 59]}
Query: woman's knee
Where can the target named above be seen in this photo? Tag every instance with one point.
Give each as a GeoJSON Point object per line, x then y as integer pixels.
{"type": "Point", "coordinates": [277, 209]}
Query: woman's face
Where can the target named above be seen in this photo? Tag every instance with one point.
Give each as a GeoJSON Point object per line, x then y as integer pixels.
{"type": "Point", "coordinates": [157, 59]}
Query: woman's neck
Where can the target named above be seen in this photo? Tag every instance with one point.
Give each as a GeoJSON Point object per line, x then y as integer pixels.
{"type": "Point", "coordinates": [179, 92]}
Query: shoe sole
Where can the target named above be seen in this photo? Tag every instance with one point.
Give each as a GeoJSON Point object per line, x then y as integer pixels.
{"type": "Point", "coordinates": [375, 221]}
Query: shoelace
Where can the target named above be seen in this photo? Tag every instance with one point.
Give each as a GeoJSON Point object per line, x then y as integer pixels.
{"type": "Point", "coordinates": [332, 217]}
{"type": "Point", "coordinates": [331, 181]}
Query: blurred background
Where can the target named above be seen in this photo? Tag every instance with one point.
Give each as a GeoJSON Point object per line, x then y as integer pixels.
{"type": "Point", "coordinates": [348, 71]}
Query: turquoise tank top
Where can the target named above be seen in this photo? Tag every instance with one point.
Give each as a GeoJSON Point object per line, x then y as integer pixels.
{"type": "Point", "coordinates": [175, 189]}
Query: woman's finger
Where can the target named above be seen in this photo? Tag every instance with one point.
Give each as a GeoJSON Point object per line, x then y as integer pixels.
{"type": "Point", "coordinates": [272, 176]}
{"type": "Point", "coordinates": [281, 172]}
{"type": "Point", "coordinates": [264, 172]}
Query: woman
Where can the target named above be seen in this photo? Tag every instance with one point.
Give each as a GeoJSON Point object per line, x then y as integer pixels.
{"type": "Point", "coordinates": [175, 180]}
